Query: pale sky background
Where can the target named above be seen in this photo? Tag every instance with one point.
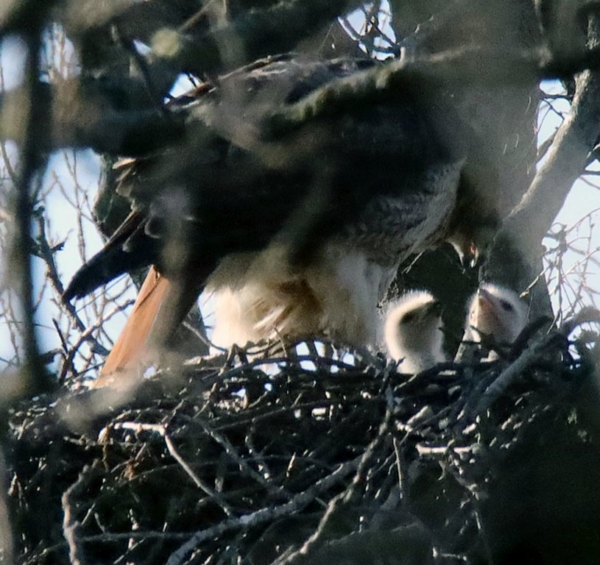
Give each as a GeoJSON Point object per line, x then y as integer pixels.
{"type": "Point", "coordinates": [83, 166]}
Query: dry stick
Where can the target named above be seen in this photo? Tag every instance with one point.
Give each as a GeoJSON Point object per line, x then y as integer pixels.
{"type": "Point", "coordinates": [244, 466]}
{"type": "Point", "coordinates": [162, 431]}
{"type": "Point", "coordinates": [274, 412]}
{"type": "Point", "coordinates": [402, 471]}
{"type": "Point", "coordinates": [110, 538]}
{"type": "Point", "coordinates": [529, 357]}
{"type": "Point", "coordinates": [264, 515]}
{"type": "Point", "coordinates": [199, 482]}
{"type": "Point", "coordinates": [344, 497]}
{"type": "Point", "coordinates": [299, 358]}
{"type": "Point", "coordinates": [70, 523]}
{"type": "Point", "coordinates": [255, 452]}
{"type": "Point", "coordinates": [83, 337]}
{"type": "Point", "coordinates": [47, 256]}
{"type": "Point", "coordinates": [86, 334]}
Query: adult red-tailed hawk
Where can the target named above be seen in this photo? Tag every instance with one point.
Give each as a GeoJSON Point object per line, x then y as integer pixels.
{"type": "Point", "coordinates": [496, 316]}
{"type": "Point", "coordinates": [413, 332]}
{"type": "Point", "coordinates": [297, 234]}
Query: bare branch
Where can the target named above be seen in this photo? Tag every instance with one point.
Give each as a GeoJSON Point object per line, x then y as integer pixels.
{"type": "Point", "coordinates": [567, 157]}
{"type": "Point", "coordinates": [297, 503]}
{"type": "Point", "coordinates": [31, 163]}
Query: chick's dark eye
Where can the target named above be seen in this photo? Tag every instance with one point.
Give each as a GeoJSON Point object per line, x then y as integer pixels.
{"type": "Point", "coordinates": [408, 318]}
{"type": "Point", "coordinates": [507, 306]}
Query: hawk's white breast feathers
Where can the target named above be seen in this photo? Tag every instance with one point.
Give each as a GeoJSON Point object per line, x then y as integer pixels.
{"type": "Point", "coordinates": [259, 296]}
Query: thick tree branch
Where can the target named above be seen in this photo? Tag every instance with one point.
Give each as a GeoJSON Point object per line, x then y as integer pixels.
{"type": "Point", "coordinates": [519, 243]}
{"type": "Point", "coordinates": [34, 375]}
{"type": "Point", "coordinates": [566, 160]}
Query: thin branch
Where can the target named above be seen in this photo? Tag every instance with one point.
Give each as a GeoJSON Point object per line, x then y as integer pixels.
{"type": "Point", "coordinates": [264, 515]}
{"type": "Point", "coordinates": [530, 356]}
{"type": "Point", "coordinates": [46, 253]}
{"type": "Point", "coordinates": [162, 431]}
{"type": "Point", "coordinates": [274, 489]}
{"type": "Point", "coordinates": [347, 497]}
{"type": "Point", "coordinates": [70, 523]}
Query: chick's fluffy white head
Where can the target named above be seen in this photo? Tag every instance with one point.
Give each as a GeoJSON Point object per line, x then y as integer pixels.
{"type": "Point", "coordinates": [412, 332]}
{"type": "Point", "coordinates": [497, 312]}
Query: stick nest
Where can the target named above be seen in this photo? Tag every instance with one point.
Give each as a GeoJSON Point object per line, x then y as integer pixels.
{"type": "Point", "coordinates": [304, 459]}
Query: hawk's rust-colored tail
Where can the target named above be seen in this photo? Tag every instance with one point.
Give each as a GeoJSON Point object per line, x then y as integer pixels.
{"type": "Point", "coordinates": [132, 346]}
{"type": "Point", "coordinates": [160, 308]}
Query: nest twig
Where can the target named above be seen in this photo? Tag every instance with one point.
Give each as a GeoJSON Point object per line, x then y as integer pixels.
{"type": "Point", "coordinates": [278, 465]}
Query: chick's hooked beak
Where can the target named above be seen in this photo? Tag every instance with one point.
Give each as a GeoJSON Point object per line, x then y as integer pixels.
{"type": "Point", "coordinates": [485, 298]}
{"type": "Point", "coordinates": [488, 307]}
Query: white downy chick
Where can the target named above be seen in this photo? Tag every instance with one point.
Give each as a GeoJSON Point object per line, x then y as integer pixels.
{"type": "Point", "coordinates": [413, 332]}
{"type": "Point", "coordinates": [496, 312]}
